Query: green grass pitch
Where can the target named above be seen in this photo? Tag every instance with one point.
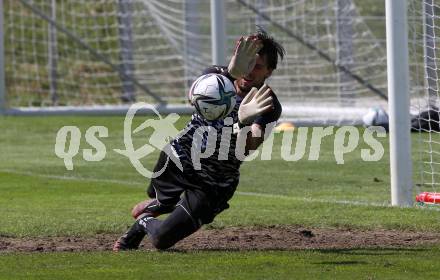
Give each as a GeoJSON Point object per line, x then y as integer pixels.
{"type": "Point", "coordinates": [40, 198]}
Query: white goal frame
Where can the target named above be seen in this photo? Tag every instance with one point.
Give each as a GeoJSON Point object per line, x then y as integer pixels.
{"type": "Point", "coordinates": [398, 100]}
{"type": "Point", "coordinates": [2, 64]}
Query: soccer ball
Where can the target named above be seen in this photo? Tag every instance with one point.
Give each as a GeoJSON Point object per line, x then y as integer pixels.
{"type": "Point", "coordinates": [213, 95]}
{"type": "Point", "coordinates": [375, 116]}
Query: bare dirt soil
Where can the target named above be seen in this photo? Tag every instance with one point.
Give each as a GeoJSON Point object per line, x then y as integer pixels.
{"type": "Point", "coordinates": [240, 238]}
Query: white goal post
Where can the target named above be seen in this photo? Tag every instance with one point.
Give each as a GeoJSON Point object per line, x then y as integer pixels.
{"type": "Point", "coordinates": [2, 65]}
{"type": "Point", "coordinates": [398, 94]}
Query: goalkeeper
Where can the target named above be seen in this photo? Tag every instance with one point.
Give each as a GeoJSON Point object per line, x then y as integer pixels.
{"type": "Point", "coordinates": [194, 197]}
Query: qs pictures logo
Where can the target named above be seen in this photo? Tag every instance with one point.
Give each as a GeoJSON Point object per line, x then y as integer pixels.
{"type": "Point", "coordinates": [68, 139]}
{"type": "Point", "coordinates": [211, 141]}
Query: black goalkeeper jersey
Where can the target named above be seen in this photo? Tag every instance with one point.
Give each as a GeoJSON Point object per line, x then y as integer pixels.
{"type": "Point", "coordinates": [218, 169]}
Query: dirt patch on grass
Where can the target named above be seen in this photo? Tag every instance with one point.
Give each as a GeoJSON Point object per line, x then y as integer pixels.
{"type": "Point", "coordinates": [240, 238]}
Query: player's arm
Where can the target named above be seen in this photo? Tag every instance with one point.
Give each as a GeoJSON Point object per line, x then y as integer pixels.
{"type": "Point", "coordinates": [258, 108]}
{"type": "Point", "coordinates": [245, 56]}
{"type": "Point", "coordinates": [254, 138]}
{"type": "Point", "coordinates": [242, 62]}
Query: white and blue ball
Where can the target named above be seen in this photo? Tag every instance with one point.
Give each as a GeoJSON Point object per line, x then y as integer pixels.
{"type": "Point", "coordinates": [375, 116]}
{"type": "Point", "coordinates": [213, 95]}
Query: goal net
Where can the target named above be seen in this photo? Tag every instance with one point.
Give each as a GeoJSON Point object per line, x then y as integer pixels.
{"type": "Point", "coordinates": [424, 28]}
{"type": "Point", "coordinates": [85, 54]}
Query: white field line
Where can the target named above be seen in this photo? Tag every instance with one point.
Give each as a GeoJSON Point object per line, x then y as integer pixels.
{"type": "Point", "coordinates": [72, 178]}
{"type": "Point", "coordinates": [348, 202]}
{"type": "Point", "coordinates": [254, 194]}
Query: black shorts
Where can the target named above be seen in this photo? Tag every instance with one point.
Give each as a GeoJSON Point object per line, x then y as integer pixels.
{"type": "Point", "coordinates": [201, 200]}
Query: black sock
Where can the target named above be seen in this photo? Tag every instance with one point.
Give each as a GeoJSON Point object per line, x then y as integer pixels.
{"type": "Point", "coordinates": [164, 234]}
{"type": "Point", "coordinates": [133, 237]}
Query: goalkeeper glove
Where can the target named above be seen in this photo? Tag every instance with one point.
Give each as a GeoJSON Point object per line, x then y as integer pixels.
{"type": "Point", "coordinates": [244, 58]}
{"type": "Point", "coordinates": [255, 103]}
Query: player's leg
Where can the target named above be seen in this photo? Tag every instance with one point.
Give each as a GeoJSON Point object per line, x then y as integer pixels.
{"type": "Point", "coordinates": [185, 219]}
{"type": "Point", "coordinates": [158, 205]}
{"type": "Point", "coordinates": [168, 188]}
{"type": "Point", "coordinates": [131, 239]}
{"type": "Point", "coordinates": [164, 191]}
{"type": "Point", "coordinates": [163, 234]}
{"type": "Point", "coordinates": [197, 207]}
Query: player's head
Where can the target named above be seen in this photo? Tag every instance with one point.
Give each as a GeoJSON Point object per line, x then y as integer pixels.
{"type": "Point", "coordinates": [267, 61]}
{"type": "Point", "coordinates": [271, 49]}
